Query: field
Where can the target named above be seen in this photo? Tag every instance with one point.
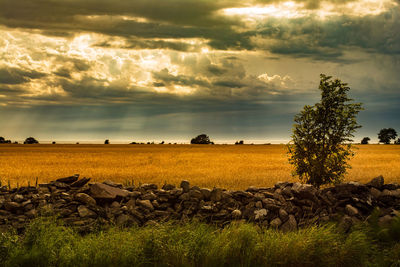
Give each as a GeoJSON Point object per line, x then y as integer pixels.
{"type": "Point", "coordinates": [228, 166]}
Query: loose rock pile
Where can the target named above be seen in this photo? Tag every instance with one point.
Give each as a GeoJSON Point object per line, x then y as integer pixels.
{"type": "Point", "coordinates": [286, 206]}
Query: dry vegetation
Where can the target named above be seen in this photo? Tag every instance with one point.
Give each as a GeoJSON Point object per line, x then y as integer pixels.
{"type": "Point", "coordinates": [235, 167]}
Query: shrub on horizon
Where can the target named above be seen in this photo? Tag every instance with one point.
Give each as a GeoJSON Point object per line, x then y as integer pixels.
{"type": "Point", "coordinates": [202, 139]}
{"type": "Point", "coordinates": [31, 140]}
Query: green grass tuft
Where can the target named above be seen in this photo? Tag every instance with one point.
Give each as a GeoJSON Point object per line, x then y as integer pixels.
{"type": "Point", "coordinates": [47, 242]}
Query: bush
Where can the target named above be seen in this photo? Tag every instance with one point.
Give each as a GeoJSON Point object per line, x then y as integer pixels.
{"type": "Point", "coordinates": [31, 140]}
{"type": "Point", "coordinates": [4, 141]}
{"type": "Point", "coordinates": [320, 146]}
{"type": "Point", "coordinates": [385, 135]}
{"type": "Point", "coordinates": [365, 140]}
{"type": "Point", "coordinates": [201, 139]}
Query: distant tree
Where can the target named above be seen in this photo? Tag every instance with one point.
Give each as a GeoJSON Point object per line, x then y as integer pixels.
{"type": "Point", "coordinates": [54, 142]}
{"type": "Point", "coordinates": [4, 141]}
{"type": "Point", "coordinates": [15, 142]}
{"type": "Point", "coordinates": [321, 139]}
{"type": "Point", "coordinates": [365, 140]}
{"type": "Point", "coordinates": [397, 142]}
{"type": "Point", "coordinates": [162, 143]}
{"type": "Point", "coordinates": [201, 139]}
{"type": "Point", "coordinates": [31, 140]}
{"type": "Point", "coordinates": [385, 135]}
{"type": "Point", "coordinates": [106, 142]}
{"type": "Point", "coordinates": [133, 143]}
{"type": "Point", "coordinates": [77, 143]}
{"type": "Point", "coordinates": [239, 142]}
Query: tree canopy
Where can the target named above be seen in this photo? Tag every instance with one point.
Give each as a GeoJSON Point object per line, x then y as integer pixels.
{"type": "Point", "coordinates": [385, 135]}
{"type": "Point", "coordinates": [322, 135]}
{"type": "Point", "coordinates": [201, 139]}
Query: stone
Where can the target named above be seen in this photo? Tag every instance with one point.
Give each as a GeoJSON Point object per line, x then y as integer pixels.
{"type": "Point", "coordinates": [115, 205]}
{"type": "Point", "coordinates": [207, 208]}
{"type": "Point", "coordinates": [275, 223]}
{"type": "Point", "coordinates": [287, 191]}
{"type": "Point", "coordinates": [103, 191]}
{"type": "Point", "coordinates": [304, 191]}
{"type": "Point", "coordinates": [184, 196]}
{"type": "Point", "coordinates": [385, 220]}
{"type": "Point", "coordinates": [260, 214]}
{"type": "Point", "coordinates": [68, 180]}
{"type": "Point", "coordinates": [85, 199]}
{"type": "Point", "coordinates": [31, 213]}
{"type": "Point", "coordinates": [149, 187]}
{"type": "Point", "coordinates": [252, 189]}
{"type": "Point", "coordinates": [84, 212]}
{"type": "Point", "coordinates": [196, 194]}
{"type": "Point", "coordinates": [60, 185]}
{"type": "Point", "coordinates": [236, 214]}
{"type": "Point", "coordinates": [123, 220]}
{"type": "Point", "coordinates": [396, 193]}
{"type": "Point", "coordinates": [168, 187]}
{"type": "Point", "coordinates": [377, 182]}
{"type": "Point", "coordinates": [283, 215]}
{"type": "Point", "coordinates": [11, 206]}
{"type": "Point", "coordinates": [146, 204]}
{"type": "Point", "coordinates": [290, 224]}
{"type": "Point", "coordinates": [134, 194]}
{"type": "Point", "coordinates": [149, 196]}
{"type": "Point", "coordinates": [18, 198]}
{"type": "Point", "coordinates": [350, 210]}
{"type": "Point", "coordinates": [185, 185]}
{"type": "Point", "coordinates": [375, 192]}
{"type": "Point", "coordinates": [111, 183]}
{"type": "Point", "coordinates": [216, 194]}
{"type": "Point", "coordinates": [25, 203]}
{"type": "Point", "coordinates": [80, 182]}
{"type": "Point", "coordinates": [206, 193]}
{"type": "Point", "coordinates": [131, 204]}
{"type": "Point", "coordinates": [281, 185]}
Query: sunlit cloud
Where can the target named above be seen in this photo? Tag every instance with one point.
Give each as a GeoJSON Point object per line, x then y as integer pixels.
{"type": "Point", "coordinates": [290, 10]}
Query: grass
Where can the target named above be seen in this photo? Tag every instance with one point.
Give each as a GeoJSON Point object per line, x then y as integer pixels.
{"type": "Point", "coordinates": [235, 167]}
{"type": "Point", "coordinates": [47, 243]}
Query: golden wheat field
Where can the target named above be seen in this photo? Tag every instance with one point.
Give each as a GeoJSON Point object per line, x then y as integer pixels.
{"type": "Point", "coordinates": [227, 166]}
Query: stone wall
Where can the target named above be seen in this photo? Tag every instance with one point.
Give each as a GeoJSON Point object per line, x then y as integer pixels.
{"type": "Point", "coordinates": [286, 206]}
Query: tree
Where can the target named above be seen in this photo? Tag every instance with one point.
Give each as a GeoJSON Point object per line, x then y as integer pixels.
{"type": "Point", "coordinates": [385, 135]}
{"type": "Point", "coordinates": [320, 146]}
{"type": "Point", "coordinates": [31, 140]}
{"type": "Point", "coordinates": [365, 140]}
{"type": "Point", "coordinates": [4, 141]}
{"type": "Point", "coordinates": [106, 142]}
{"type": "Point", "coordinates": [241, 142]}
{"type": "Point", "coordinates": [201, 139]}
{"type": "Point", "coordinates": [397, 142]}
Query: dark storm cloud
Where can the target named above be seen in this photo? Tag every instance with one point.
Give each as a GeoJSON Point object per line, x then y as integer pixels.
{"type": "Point", "coordinates": [18, 76]}
{"type": "Point", "coordinates": [144, 20]}
{"type": "Point", "coordinates": [328, 39]}
{"type": "Point", "coordinates": [149, 44]}
{"type": "Point", "coordinates": [167, 78]}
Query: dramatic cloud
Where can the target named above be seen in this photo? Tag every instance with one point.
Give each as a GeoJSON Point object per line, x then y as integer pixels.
{"type": "Point", "coordinates": [175, 62]}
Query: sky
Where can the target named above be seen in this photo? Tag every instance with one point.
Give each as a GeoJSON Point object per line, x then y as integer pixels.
{"type": "Point", "coordinates": [144, 70]}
